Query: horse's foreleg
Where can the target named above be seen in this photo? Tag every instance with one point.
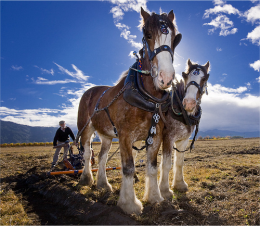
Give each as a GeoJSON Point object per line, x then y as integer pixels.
{"type": "Point", "coordinates": [165, 167]}
{"type": "Point", "coordinates": [102, 181]}
{"type": "Point", "coordinates": [86, 176]}
{"type": "Point", "coordinates": [127, 199]}
{"type": "Point", "coordinates": [152, 192]}
{"type": "Point", "coordinates": [178, 180]}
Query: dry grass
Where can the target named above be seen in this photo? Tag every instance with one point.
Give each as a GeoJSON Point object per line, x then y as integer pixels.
{"type": "Point", "coordinates": [223, 179]}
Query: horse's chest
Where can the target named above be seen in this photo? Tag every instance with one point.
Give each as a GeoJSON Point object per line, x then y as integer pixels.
{"type": "Point", "coordinates": [179, 131]}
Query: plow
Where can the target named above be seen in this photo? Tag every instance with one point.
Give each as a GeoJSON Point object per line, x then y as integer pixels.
{"type": "Point", "coordinates": [75, 162]}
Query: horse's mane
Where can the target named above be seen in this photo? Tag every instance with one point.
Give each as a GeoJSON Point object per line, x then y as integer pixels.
{"type": "Point", "coordinates": [121, 77]}
{"type": "Point", "coordinates": [153, 25]}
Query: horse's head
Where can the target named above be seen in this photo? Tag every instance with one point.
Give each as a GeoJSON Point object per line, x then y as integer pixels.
{"type": "Point", "coordinates": [195, 83]}
{"type": "Point", "coordinates": [159, 41]}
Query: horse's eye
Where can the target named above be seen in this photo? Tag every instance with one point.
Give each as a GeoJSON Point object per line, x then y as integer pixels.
{"type": "Point", "coordinates": [148, 36]}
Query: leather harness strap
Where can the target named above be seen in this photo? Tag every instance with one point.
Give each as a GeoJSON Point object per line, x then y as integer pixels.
{"type": "Point", "coordinates": [107, 111]}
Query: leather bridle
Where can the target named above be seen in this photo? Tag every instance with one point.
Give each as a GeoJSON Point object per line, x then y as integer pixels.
{"type": "Point", "coordinates": [152, 54]}
{"type": "Point", "coordinates": [200, 89]}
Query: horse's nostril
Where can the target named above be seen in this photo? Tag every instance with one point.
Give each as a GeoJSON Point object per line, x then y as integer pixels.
{"type": "Point", "coordinates": [162, 82]}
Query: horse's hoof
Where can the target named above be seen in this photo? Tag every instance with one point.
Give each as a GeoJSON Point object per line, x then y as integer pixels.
{"type": "Point", "coordinates": [135, 207]}
{"type": "Point", "coordinates": [181, 186]}
{"type": "Point", "coordinates": [86, 180]}
{"type": "Point", "coordinates": [167, 194]}
{"type": "Point", "coordinates": [155, 199]}
{"type": "Point", "coordinates": [105, 186]}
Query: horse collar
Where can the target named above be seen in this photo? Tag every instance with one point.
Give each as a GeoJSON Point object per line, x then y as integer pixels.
{"type": "Point", "coordinates": [176, 111]}
{"type": "Point", "coordinates": [137, 96]}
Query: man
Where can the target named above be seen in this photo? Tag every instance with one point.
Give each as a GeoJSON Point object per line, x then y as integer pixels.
{"type": "Point", "coordinates": [62, 136]}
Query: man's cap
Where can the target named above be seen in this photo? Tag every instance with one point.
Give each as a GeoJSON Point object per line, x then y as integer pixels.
{"type": "Point", "coordinates": [61, 122]}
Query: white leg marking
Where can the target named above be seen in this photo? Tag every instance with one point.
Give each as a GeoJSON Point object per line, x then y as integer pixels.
{"type": "Point", "coordinates": [86, 176]}
{"type": "Point", "coordinates": [178, 180]}
{"type": "Point", "coordinates": [127, 199]}
{"type": "Point", "coordinates": [165, 167]}
{"type": "Point", "coordinates": [102, 181]}
{"type": "Point", "coordinates": [152, 193]}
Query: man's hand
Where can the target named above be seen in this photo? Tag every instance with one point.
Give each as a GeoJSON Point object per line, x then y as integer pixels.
{"type": "Point", "coordinates": [74, 143]}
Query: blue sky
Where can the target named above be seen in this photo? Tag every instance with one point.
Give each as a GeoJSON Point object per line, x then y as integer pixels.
{"type": "Point", "coordinates": [53, 51]}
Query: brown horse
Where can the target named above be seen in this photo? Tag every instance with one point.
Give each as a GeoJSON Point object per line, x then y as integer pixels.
{"type": "Point", "coordinates": [177, 133]}
{"type": "Point", "coordinates": [126, 122]}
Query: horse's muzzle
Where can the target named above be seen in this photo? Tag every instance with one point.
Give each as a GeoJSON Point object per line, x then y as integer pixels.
{"type": "Point", "coordinates": [189, 104]}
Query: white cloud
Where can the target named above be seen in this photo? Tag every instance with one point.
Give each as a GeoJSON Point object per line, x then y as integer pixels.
{"type": "Point", "coordinates": [118, 14]}
{"type": "Point", "coordinates": [258, 79]}
{"type": "Point", "coordinates": [253, 14]}
{"type": "Point", "coordinates": [256, 65]}
{"type": "Point", "coordinates": [51, 71]}
{"type": "Point", "coordinates": [224, 108]}
{"type": "Point", "coordinates": [254, 36]}
{"type": "Point", "coordinates": [224, 24]}
{"type": "Point", "coordinates": [227, 8]}
{"type": "Point", "coordinates": [219, 2]}
{"type": "Point", "coordinates": [219, 49]}
{"type": "Point", "coordinates": [125, 6]}
{"type": "Point", "coordinates": [223, 89]}
{"type": "Point", "coordinates": [47, 117]}
{"type": "Point", "coordinates": [230, 109]}
{"type": "Point", "coordinates": [17, 68]}
{"type": "Point", "coordinates": [79, 75]}
{"type": "Point", "coordinates": [43, 81]}
{"type": "Point", "coordinates": [223, 78]}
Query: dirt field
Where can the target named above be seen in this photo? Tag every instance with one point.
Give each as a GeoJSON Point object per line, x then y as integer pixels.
{"type": "Point", "coordinates": [223, 178]}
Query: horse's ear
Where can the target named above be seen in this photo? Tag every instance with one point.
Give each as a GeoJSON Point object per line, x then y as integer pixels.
{"type": "Point", "coordinates": [144, 14]}
{"type": "Point", "coordinates": [207, 66]}
{"type": "Point", "coordinates": [171, 15]}
{"type": "Point", "coordinates": [177, 40]}
{"type": "Point", "coordinates": [184, 75]}
{"type": "Point", "coordinates": [189, 63]}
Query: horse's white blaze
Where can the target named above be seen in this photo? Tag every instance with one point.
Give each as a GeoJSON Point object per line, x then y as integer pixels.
{"type": "Point", "coordinates": [152, 193]}
{"type": "Point", "coordinates": [165, 167]}
{"type": "Point", "coordinates": [165, 64]}
{"type": "Point", "coordinates": [192, 90]}
{"type": "Point", "coordinates": [127, 199]}
{"type": "Point", "coordinates": [190, 101]}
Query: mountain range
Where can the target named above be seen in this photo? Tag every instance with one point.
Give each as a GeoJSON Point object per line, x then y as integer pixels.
{"type": "Point", "coordinates": [17, 133]}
